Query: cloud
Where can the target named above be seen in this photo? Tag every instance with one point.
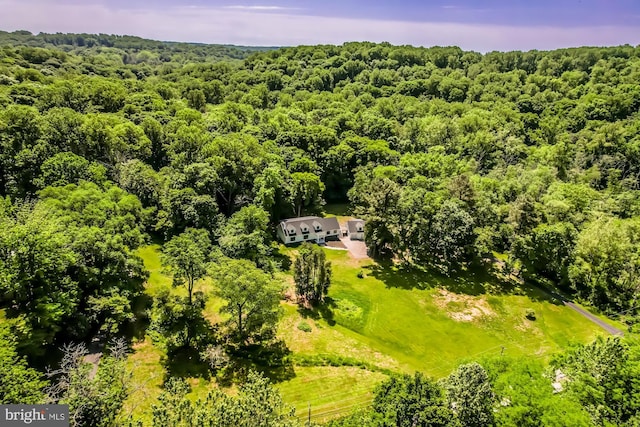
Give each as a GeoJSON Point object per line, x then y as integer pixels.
{"type": "Point", "coordinates": [253, 27]}
{"type": "Point", "coordinates": [267, 8]}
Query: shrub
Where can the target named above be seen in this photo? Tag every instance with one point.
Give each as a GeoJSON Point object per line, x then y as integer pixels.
{"type": "Point", "coordinates": [360, 274]}
{"type": "Point", "coordinates": [215, 357]}
{"type": "Point", "coordinates": [530, 314]}
{"type": "Point", "coordinates": [304, 326]}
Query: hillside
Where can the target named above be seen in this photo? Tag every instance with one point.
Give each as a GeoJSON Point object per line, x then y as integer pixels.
{"type": "Point", "coordinates": [129, 46]}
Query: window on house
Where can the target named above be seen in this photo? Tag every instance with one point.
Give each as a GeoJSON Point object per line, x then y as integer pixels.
{"type": "Point", "coordinates": [328, 231]}
{"type": "Point", "coordinates": [293, 239]}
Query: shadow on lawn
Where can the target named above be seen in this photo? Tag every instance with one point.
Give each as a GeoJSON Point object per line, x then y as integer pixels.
{"type": "Point", "coordinates": [272, 360]}
{"type": "Point", "coordinates": [185, 362]}
{"type": "Point", "coordinates": [476, 280]}
{"type": "Point", "coordinates": [137, 329]}
{"type": "Point", "coordinates": [324, 311]}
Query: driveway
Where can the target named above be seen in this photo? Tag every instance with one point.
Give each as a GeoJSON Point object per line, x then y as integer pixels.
{"type": "Point", "coordinates": [357, 248]}
{"type": "Point", "coordinates": [604, 325]}
{"type": "Point", "coordinates": [568, 303]}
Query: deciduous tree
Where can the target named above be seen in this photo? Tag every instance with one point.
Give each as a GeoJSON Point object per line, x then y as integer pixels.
{"type": "Point", "coordinates": [251, 301]}
{"type": "Point", "coordinates": [187, 256]}
{"type": "Point", "coordinates": [312, 274]}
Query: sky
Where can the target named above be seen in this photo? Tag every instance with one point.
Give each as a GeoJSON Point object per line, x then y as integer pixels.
{"type": "Point", "coordinates": [480, 25]}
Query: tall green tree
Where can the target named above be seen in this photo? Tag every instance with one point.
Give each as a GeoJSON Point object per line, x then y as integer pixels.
{"type": "Point", "coordinates": [187, 255]}
{"type": "Point", "coordinates": [245, 235]}
{"type": "Point", "coordinates": [306, 192]}
{"type": "Point", "coordinates": [376, 200]}
{"type": "Point", "coordinates": [470, 395]}
{"type": "Point", "coordinates": [251, 300]}
{"type": "Point", "coordinates": [178, 325]}
{"type": "Point", "coordinates": [606, 267]}
{"type": "Point", "coordinates": [37, 283]}
{"type": "Point", "coordinates": [602, 378]}
{"type": "Point", "coordinates": [452, 236]}
{"type": "Point", "coordinates": [257, 403]}
{"type": "Point", "coordinates": [19, 383]}
{"type": "Point", "coordinates": [408, 401]}
{"type": "Point", "coordinates": [312, 274]}
{"type": "Point", "coordinates": [523, 388]}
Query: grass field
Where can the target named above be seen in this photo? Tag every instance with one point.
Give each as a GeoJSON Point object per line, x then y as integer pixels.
{"type": "Point", "coordinates": [392, 319]}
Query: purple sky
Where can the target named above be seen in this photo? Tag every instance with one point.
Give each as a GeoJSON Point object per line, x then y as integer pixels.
{"type": "Point", "coordinates": [481, 25]}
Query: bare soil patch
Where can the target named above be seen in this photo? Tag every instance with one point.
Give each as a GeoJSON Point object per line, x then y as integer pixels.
{"type": "Point", "coordinates": [463, 308]}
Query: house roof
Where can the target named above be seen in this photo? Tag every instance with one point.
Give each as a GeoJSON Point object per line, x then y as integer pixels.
{"type": "Point", "coordinates": [310, 223]}
{"type": "Point", "coordinates": [352, 225]}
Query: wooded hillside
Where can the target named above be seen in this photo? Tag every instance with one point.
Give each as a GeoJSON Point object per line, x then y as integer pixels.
{"type": "Point", "coordinates": [524, 161]}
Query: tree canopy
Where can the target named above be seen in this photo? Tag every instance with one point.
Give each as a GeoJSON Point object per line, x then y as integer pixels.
{"type": "Point", "coordinates": [522, 164]}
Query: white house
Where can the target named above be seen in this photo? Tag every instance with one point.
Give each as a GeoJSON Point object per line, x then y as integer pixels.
{"type": "Point", "coordinates": [308, 229]}
{"type": "Point", "coordinates": [355, 229]}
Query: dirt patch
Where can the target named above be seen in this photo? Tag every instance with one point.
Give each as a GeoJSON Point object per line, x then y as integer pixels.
{"type": "Point", "coordinates": [463, 308]}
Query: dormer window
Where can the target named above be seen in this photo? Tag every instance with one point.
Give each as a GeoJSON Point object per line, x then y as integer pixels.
{"type": "Point", "coordinates": [304, 227]}
{"type": "Point", "coordinates": [291, 230]}
{"type": "Point", "coordinates": [359, 227]}
{"type": "Point", "coordinates": [317, 226]}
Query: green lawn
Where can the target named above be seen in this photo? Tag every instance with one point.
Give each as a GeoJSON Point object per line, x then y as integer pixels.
{"type": "Point", "coordinates": [409, 316]}
{"type": "Point", "coordinates": [337, 209]}
{"type": "Point", "coordinates": [146, 359]}
{"type": "Point", "coordinates": [148, 375]}
{"type": "Point", "coordinates": [342, 211]}
{"type": "Point", "coordinates": [157, 277]}
{"type": "Point", "coordinates": [329, 391]}
{"type": "Point", "coordinates": [391, 320]}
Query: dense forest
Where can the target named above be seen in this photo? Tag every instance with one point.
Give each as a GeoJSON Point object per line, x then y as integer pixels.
{"type": "Point", "coordinates": [525, 162]}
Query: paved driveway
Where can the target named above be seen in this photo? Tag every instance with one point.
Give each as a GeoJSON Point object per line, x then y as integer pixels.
{"type": "Point", "coordinates": [357, 248]}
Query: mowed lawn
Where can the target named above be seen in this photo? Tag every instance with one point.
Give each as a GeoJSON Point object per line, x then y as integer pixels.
{"type": "Point", "coordinates": [413, 320]}
{"type": "Point", "coordinates": [430, 323]}
{"type": "Point", "coordinates": [391, 320]}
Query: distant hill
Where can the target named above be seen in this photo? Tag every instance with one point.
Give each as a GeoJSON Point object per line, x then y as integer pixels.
{"type": "Point", "coordinates": [163, 51]}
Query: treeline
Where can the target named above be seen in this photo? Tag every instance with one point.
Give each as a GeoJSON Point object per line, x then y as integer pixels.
{"type": "Point", "coordinates": [153, 51]}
